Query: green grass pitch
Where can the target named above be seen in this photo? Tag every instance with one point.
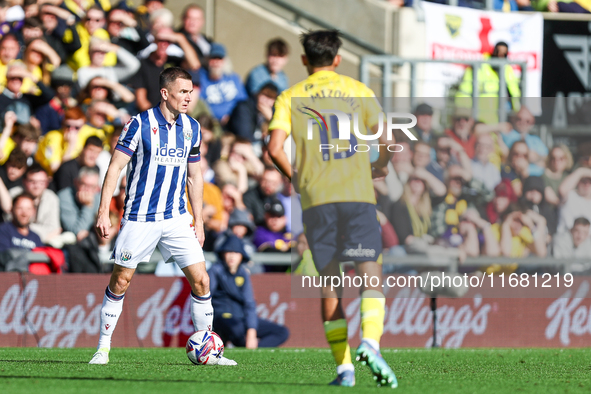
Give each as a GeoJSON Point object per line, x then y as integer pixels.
{"type": "Point", "coordinates": [47, 371]}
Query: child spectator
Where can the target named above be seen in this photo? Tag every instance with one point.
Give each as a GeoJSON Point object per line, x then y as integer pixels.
{"type": "Point", "coordinates": [574, 244]}
{"type": "Point", "coordinates": [235, 318]}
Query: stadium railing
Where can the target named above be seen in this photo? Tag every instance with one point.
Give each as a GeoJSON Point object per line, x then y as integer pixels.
{"type": "Point", "coordinates": [386, 62]}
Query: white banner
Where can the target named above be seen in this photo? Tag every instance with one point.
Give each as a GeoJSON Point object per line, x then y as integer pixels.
{"type": "Point", "coordinates": [465, 34]}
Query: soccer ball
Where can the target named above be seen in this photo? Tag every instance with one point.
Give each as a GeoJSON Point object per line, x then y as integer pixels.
{"type": "Point", "coordinates": [205, 348]}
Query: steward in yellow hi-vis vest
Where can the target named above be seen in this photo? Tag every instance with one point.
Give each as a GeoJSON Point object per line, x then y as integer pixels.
{"type": "Point", "coordinates": [330, 117]}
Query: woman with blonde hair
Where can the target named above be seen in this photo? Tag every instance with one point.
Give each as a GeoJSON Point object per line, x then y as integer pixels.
{"type": "Point", "coordinates": [411, 214]}
{"type": "Point", "coordinates": [558, 165]}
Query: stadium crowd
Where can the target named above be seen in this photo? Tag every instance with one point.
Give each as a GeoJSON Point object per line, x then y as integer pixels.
{"type": "Point", "coordinates": [73, 76]}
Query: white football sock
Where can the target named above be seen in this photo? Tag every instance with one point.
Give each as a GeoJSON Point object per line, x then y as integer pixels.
{"type": "Point", "coordinates": [201, 312]}
{"type": "Point", "coordinates": [110, 312]}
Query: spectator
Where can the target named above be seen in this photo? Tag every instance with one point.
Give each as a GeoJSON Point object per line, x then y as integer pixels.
{"type": "Point", "coordinates": [13, 170]}
{"type": "Point", "coordinates": [502, 203]}
{"type": "Point", "coordinates": [102, 89]}
{"type": "Point", "coordinates": [449, 152]}
{"type": "Point", "coordinates": [558, 163]}
{"type": "Point", "coordinates": [488, 87]}
{"type": "Point", "coordinates": [104, 158]}
{"type": "Point", "coordinates": [68, 171]}
{"type": "Point", "coordinates": [51, 115]}
{"type": "Point", "coordinates": [517, 167]}
{"type": "Point", "coordinates": [523, 123]}
{"type": "Point", "coordinates": [421, 154]}
{"type": "Point", "coordinates": [79, 204]}
{"type": "Point", "coordinates": [127, 64]}
{"type": "Point", "coordinates": [211, 144]}
{"type": "Point", "coordinates": [59, 146]}
{"type": "Point", "coordinates": [411, 215]}
{"type": "Point", "coordinates": [390, 188]}
{"type": "Point", "coordinates": [255, 197]}
{"type": "Point", "coordinates": [5, 201]}
{"type": "Point", "coordinates": [446, 225]}
{"type": "Point", "coordinates": [146, 80]}
{"type": "Point", "coordinates": [198, 107]}
{"type": "Point", "coordinates": [101, 115]}
{"type": "Point", "coordinates": [272, 235]}
{"type": "Point", "coordinates": [9, 51]}
{"type": "Point", "coordinates": [59, 30]}
{"type": "Point", "coordinates": [482, 168]}
{"type": "Point", "coordinates": [241, 163]}
{"type": "Point", "coordinates": [495, 131]}
{"type": "Point", "coordinates": [574, 244]}
{"type": "Point", "coordinates": [39, 58]}
{"type": "Point", "coordinates": [46, 222]}
{"type": "Point", "coordinates": [575, 192]}
{"type": "Point", "coordinates": [124, 29]}
{"type": "Point", "coordinates": [235, 316]}
{"type": "Point", "coordinates": [271, 71]}
{"type": "Point", "coordinates": [91, 26]}
{"type": "Point", "coordinates": [23, 105]}
{"type": "Point", "coordinates": [24, 138]}
{"type": "Point", "coordinates": [193, 21]}
{"type": "Point", "coordinates": [424, 128]}
{"type": "Point", "coordinates": [17, 234]}
{"type": "Point", "coordinates": [250, 118]}
{"type": "Point", "coordinates": [533, 198]}
{"type": "Point", "coordinates": [584, 154]}
{"type": "Point", "coordinates": [292, 205]}
{"type": "Point", "coordinates": [143, 13]}
{"type": "Point", "coordinates": [221, 91]}
{"type": "Point", "coordinates": [521, 234]}
{"type": "Point", "coordinates": [462, 130]}
{"type": "Point", "coordinates": [231, 201]}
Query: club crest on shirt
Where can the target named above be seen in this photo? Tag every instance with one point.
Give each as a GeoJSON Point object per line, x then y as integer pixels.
{"type": "Point", "coordinates": [188, 134]}
{"type": "Point", "coordinates": [125, 255]}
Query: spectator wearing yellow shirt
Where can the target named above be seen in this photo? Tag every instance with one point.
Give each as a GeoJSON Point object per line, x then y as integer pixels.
{"type": "Point", "coordinates": [59, 146]}
{"type": "Point", "coordinates": [24, 138]}
{"type": "Point", "coordinates": [522, 233]}
{"type": "Point", "coordinates": [91, 26]}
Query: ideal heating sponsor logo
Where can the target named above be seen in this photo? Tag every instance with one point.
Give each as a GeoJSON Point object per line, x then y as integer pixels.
{"type": "Point", "coordinates": [171, 156]}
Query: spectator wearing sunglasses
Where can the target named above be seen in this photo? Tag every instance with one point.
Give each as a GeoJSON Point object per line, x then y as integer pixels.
{"type": "Point", "coordinates": [523, 123]}
{"type": "Point", "coordinates": [59, 146]}
{"type": "Point", "coordinates": [517, 167]}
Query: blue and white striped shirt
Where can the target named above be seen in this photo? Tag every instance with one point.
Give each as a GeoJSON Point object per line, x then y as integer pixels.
{"type": "Point", "coordinates": [157, 172]}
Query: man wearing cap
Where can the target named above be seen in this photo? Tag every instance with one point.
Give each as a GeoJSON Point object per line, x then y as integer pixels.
{"type": "Point", "coordinates": [23, 105]}
{"type": "Point", "coordinates": [424, 128]}
{"type": "Point", "coordinates": [272, 235]}
{"type": "Point", "coordinates": [235, 317]}
{"type": "Point", "coordinates": [462, 130]}
{"type": "Point", "coordinates": [221, 91]}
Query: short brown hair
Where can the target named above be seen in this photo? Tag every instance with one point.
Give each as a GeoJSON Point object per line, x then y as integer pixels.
{"type": "Point", "coordinates": [277, 47]}
{"type": "Point", "coordinates": [171, 74]}
{"type": "Point", "coordinates": [28, 132]}
{"type": "Point", "coordinates": [17, 158]}
{"type": "Point", "coordinates": [21, 196]}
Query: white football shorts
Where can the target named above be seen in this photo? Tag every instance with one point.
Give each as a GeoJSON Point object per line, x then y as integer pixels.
{"type": "Point", "coordinates": [174, 237]}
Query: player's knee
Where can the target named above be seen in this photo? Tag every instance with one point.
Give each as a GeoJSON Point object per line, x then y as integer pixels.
{"type": "Point", "coordinates": [121, 284]}
{"type": "Point", "coordinates": [202, 281]}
